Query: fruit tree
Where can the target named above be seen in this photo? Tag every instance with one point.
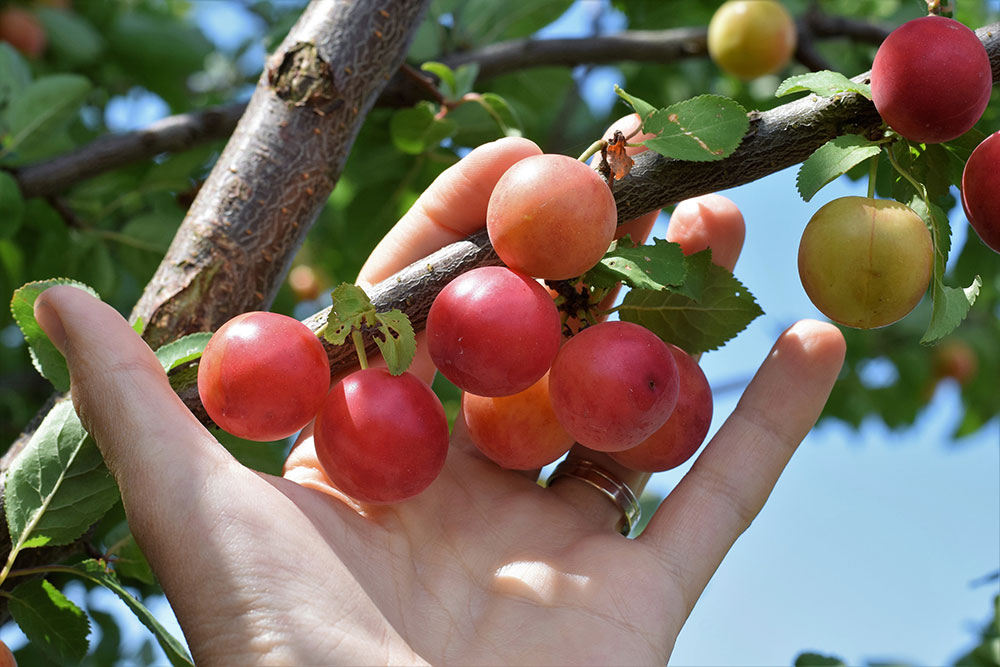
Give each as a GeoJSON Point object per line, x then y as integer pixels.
{"type": "Point", "coordinates": [196, 164]}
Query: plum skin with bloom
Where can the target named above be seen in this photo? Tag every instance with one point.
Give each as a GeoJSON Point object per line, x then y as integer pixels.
{"type": "Point", "coordinates": [684, 431]}
{"type": "Point", "coordinates": [381, 438]}
{"type": "Point", "coordinates": [551, 217]}
{"type": "Point", "coordinates": [493, 331]}
{"type": "Point", "coordinates": [263, 376]}
{"type": "Point", "coordinates": [981, 191]}
{"type": "Point", "coordinates": [931, 79]}
{"type": "Point", "coordinates": [613, 385]}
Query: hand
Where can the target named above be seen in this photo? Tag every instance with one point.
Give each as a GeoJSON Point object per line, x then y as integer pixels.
{"type": "Point", "coordinates": [485, 566]}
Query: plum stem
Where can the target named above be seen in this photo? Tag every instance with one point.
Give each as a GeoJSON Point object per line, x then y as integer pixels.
{"type": "Point", "coordinates": [359, 345]}
{"type": "Point", "coordinates": [872, 177]}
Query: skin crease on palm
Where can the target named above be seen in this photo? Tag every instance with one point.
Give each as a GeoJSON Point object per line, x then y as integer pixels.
{"type": "Point", "coordinates": [485, 566]}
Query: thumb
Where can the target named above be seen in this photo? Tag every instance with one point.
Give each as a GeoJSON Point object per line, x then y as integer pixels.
{"type": "Point", "coordinates": [153, 445]}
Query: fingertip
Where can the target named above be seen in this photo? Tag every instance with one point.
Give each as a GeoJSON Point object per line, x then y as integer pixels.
{"type": "Point", "coordinates": [819, 340]}
{"type": "Point", "coordinates": [709, 221]}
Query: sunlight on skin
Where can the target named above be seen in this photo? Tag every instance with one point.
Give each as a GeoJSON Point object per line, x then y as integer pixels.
{"type": "Point", "coordinates": [537, 582]}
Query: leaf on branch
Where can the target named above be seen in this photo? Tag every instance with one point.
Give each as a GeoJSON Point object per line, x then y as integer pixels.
{"type": "Point", "coordinates": [184, 349]}
{"type": "Point", "coordinates": [702, 129]}
{"type": "Point", "coordinates": [50, 620]}
{"type": "Point", "coordinates": [129, 560]}
{"type": "Point", "coordinates": [502, 113]}
{"type": "Point", "coordinates": [398, 343]}
{"type": "Point", "coordinates": [823, 83]}
{"type": "Point", "coordinates": [15, 75]}
{"type": "Point", "coordinates": [48, 361]}
{"type": "Point", "coordinates": [832, 160]}
{"type": "Point", "coordinates": [951, 305]}
{"type": "Point", "coordinates": [42, 110]}
{"type": "Point", "coordinates": [352, 310]}
{"type": "Point", "coordinates": [445, 75]}
{"type": "Point", "coordinates": [465, 78]}
{"type": "Point", "coordinates": [351, 307]}
{"type": "Point", "coordinates": [418, 129]}
{"type": "Point", "coordinates": [643, 108]}
{"type": "Point", "coordinates": [58, 486]}
{"type": "Point", "coordinates": [712, 309]}
{"type": "Point", "coordinates": [97, 572]}
{"type": "Point", "coordinates": [650, 267]}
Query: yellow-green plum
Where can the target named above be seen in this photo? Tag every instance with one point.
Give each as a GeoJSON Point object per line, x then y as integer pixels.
{"type": "Point", "coordinates": [865, 263]}
{"type": "Point", "coordinates": [751, 38]}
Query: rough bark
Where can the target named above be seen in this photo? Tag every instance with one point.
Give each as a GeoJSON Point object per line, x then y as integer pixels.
{"type": "Point", "coordinates": [279, 167]}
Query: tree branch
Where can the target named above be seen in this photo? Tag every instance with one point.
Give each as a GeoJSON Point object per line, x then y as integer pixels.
{"type": "Point", "coordinates": [169, 135]}
{"type": "Point", "coordinates": [279, 167]}
{"type": "Point", "coordinates": [184, 131]}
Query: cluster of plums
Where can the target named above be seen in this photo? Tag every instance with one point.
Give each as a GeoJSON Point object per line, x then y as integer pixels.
{"type": "Point", "coordinates": [864, 262]}
{"type": "Point", "coordinates": [496, 333]}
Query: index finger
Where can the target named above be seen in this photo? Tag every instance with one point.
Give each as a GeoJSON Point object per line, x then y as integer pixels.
{"type": "Point", "coordinates": [453, 207]}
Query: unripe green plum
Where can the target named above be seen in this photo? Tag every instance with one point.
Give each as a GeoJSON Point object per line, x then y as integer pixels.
{"type": "Point", "coordinates": [864, 262]}
{"type": "Point", "coordinates": [684, 431]}
{"type": "Point", "coordinates": [981, 190]}
{"type": "Point", "coordinates": [751, 38]}
{"type": "Point", "coordinates": [931, 79]}
{"type": "Point", "coordinates": [551, 217]}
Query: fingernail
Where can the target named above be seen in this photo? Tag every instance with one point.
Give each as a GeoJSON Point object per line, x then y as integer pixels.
{"type": "Point", "coordinates": [51, 324]}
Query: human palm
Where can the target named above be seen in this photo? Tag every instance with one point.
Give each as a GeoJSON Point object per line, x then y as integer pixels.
{"type": "Point", "coordinates": [485, 566]}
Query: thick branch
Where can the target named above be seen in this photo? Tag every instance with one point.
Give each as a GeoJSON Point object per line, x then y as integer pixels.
{"type": "Point", "coordinates": [279, 167]}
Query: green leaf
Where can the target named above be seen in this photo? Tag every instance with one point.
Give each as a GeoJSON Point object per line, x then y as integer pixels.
{"type": "Point", "coordinates": [44, 108]}
{"type": "Point", "coordinates": [11, 205]}
{"type": "Point", "coordinates": [351, 306]}
{"type": "Point", "coordinates": [502, 113]}
{"type": "Point", "coordinates": [832, 160]}
{"type": "Point", "coordinates": [129, 560]}
{"type": "Point", "coordinates": [73, 40]}
{"type": "Point", "coordinates": [416, 129]}
{"type": "Point", "coordinates": [50, 620]}
{"type": "Point", "coordinates": [184, 349]}
{"type": "Point", "coordinates": [951, 305]}
{"type": "Point", "coordinates": [823, 83]}
{"type": "Point", "coordinates": [445, 75]}
{"type": "Point", "coordinates": [715, 307]}
{"type": "Point", "coordinates": [465, 78]}
{"type": "Point", "coordinates": [265, 457]}
{"type": "Point", "coordinates": [808, 659]}
{"type": "Point", "coordinates": [96, 572]}
{"type": "Point", "coordinates": [704, 128]}
{"type": "Point", "coordinates": [398, 343]}
{"type": "Point", "coordinates": [58, 486]}
{"type": "Point", "coordinates": [651, 267]}
{"type": "Point", "coordinates": [643, 108]}
{"type": "Point", "coordinates": [47, 359]}
{"type": "Point", "coordinates": [15, 75]}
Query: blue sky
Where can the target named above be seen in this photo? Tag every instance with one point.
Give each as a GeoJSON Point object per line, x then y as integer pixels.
{"type": "Point", "coordinates": [868, 546]}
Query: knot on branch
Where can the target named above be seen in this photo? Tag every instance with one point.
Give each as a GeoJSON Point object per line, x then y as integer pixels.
{"type": "Point", "coordinates": [303, 78]}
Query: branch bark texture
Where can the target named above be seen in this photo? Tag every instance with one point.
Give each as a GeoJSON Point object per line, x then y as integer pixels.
{"type": "Point", "coordinates": [279, 167]}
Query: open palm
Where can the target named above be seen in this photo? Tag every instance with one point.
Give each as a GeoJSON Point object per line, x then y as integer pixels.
{"type": "Point", "coordinates": [484, 567]}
